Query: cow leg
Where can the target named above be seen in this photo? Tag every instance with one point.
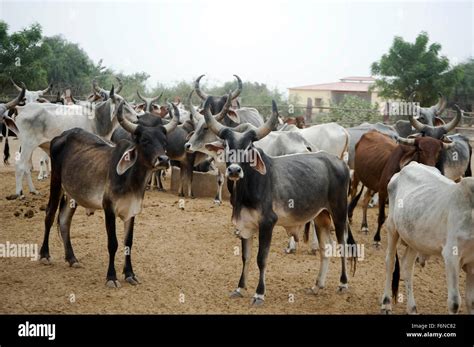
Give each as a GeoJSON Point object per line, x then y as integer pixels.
{"type": "Point", "coordinates": [127, 269]}
{"type": "Point", "coordinates": [22, 169]}
{"type": "Point", "coordinates": [181, 179]}
{"type": "Point", "coordinates": [341, 226]}
{"type": "Point", "coordinates": [246, 255]}
{"type": "Point", "coordinates": [220, 184]}
{"type": "Point", "coordinates": [159, 173]}
{"type": "Point", "coordinates": [451, 262]}
{"type": "Point", "coordinates": [381, 219]}
{"type": "Point", "coordinates": [365, 203]}
{"type": "Point", "coordinates": [323, 223]}
{"type": "Point", "coordinates": [44, 167]}
{"type": "Point", "coordinates": [189, 180]}
{"type": "Point", "coordinates": [408, 264]}
{"type": "Point", "coordinates": [264, 240]}
{"type": "Point", "coordinates": [67, 209]}
{"type": "Point", "coordinates": [392, 240]}
{"type": "Point", "coordinates": [112, 246]}
{"type": "Point", "coordinates": [470, 289]}
{"type": "Point", "coordinates": [55, 192]}
{"type": "Point", "coordinates": [315, 243]}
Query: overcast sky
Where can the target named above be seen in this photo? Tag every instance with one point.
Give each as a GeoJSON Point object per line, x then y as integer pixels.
{"type": "Point", "coordinates": [281, 43]}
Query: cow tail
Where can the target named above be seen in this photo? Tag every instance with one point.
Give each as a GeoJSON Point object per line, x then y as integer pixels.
{"type": "Point", "coordinates": [6, 150]}
{"type": "Point", "coordinates": [395, 278]}
{"type": "Point", "coordinates": [355, 255]}
{"type": "Point", "coordinates": [62, 204]}
{"type": "Point", "coordinates": [345, 152]}
{"type": "Point", "coordinates": [468, 172]}
{"type": "Point", "coordinates": [307, 226]}
{"type": "Point", "coordinates": [354, 202]}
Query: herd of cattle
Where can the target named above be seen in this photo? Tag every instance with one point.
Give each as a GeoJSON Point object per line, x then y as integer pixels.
{"type": "Point", "coordinates": [106, 151]}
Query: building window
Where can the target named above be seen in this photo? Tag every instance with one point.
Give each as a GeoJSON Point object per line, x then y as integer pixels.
{"type": "Point", "coordinates": [318, 102]}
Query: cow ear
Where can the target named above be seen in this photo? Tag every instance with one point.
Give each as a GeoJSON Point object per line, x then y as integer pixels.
{"type": "Point", "coordinates": [408, 157]}
{"type": "Point", "coordinates": [216, 146]}
{"type": "Point", "coordinates": [438, 122]}
{"type": "Point", "coordinates": [258, 163]}
{"type": "Point", "coordinates": [189, 135]}
{"type": "Point", "coordinates": [233, 116]}
{"type": "Point", "coordinates": [10, 123]}
{"type": "Point", "coordinates": [129, 158]}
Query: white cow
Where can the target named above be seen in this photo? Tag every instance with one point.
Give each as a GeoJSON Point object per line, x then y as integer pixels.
{"type": "Point", "coordinates": [433, 216]}
{"type": "Point", "coordinates": [329, 137]}
{"type": "Point", "coordinates": [38, 124]}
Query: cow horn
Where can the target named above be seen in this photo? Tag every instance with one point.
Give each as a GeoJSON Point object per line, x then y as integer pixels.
{"type": "Point", "coordinates": [140, 96]}
{"type": "Point", "coordinates": [404, 141]}
{"type": "Point", "coordinates": [174, 121]}
{"type": "Point", "coordinates": [270, 124]}
{"type": "Point", "coordinates": [195, 115]}
{"type": "Point", "coordinates": [17, 100]}
{"type": "Point", "coordinates": [453, 123]}
{"type": "Point", "coordinates": [237, 92]}
{"type": "Point", "coordinates": [441, 105]}
{"type": "Point", "coordinates": [198, 90]}
{"type": "Point", "coordinates": [47, 89]}
{"type": "Point", "coordinates": [448, 145]}
{"type": "Point", "coordinates": [15, 85]}
{"type": "Point", "coordinates": [125, 123]}
{"type": "Point", "coordinates": [119, 89]}
{"type": "Point", "coordinates": [415, 123]}
{"type": "Point", "coordinates": [95, 86]}
{"type": "Point", "coordinates": [411, 97]}
{"type": "Point", "coordinates": [220, 116]}
{"type": "Point", "coordinates": [211, 122]}
{"type": "Point", "coordinates": [157, 98]}
{"type": "Point", "coordinates": [112, 92]}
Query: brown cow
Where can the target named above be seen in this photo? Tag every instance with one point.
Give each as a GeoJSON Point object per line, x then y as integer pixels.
{"type": "Point", "coordinates": [378, 158]}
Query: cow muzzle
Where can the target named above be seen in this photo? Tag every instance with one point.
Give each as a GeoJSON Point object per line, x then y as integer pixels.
{"type": "Point", "coordinates": [162, 162]}
{"type": "Point", "coordinates": [234, 172]}
{"type": "Point", "coordinates": [187, 147]}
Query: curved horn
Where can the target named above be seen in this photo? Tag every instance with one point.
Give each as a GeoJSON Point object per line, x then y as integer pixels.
{"type": "Point", "coordinates": [125, 123]}
{"type": "Point", "coordinates": [211, 122]}
{"type": "Point", "coordinates": [416, 123]}
{"type": "Point", "coordinates": [174, 121]}
{"type": "Point", "coordinates": [452, 124]}
{"type": "Point", "coordinates": [140, 96]}
{"type": "Point", "coordinates": [16, 101]}
{"type": "Point", "coordinates": [112, 92]}
{"type": "Point", "coordinates": [15, 85]}
{"type": "Point", "coordinates": [237, 92]}
{"type": "Point", "coordinates": [119, 89]}
{"type": "Point", "coordinates": [270, 124]}
{"type": "Point", "coordinates": [220, 116]}
{"type": "Point", "coordinates": [95, 86]}
{"type": "Point", "coordinates": [411, 97]}
{"type": "Point", "coordinates": [157, 98]}
{"type": "Point", "coordinates": [404, 141]}
{"type": "Point", "coordinates": [198, 90]}
{"type": "Point", "coordinates": [441, 105]}
{"type": "Point", "coordinates": [195, 115]}
{"type": "Point", "coordinates": [47, 89]}
{"type": "Point", "coordinates": [448, 145]}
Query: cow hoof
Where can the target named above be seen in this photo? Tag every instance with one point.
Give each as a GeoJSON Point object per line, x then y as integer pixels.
{"type": "Point", "coordinates": [236, 294]}
{"type": "Point", "coordinates": [35, 192]}
{"type": "Point", "coordinates": [45, 261]}
{"type": "Point", "coordinates": [412, 310]}
{"type": "Point", "coordinates": [314, 251]}
{"type": "Point", "coordinates": [290, 250]}
{"type": "Point", "coordinates": [257, 301]}
{"type": "Point", "coordinates": [217, 202]}
{"type": "Point", "coordinates": [113, 284]}
{"type": "Point", "coordinates": [343, 288]}
{"type": "Point", "coordinates": [377, 245]}
{"type": "Point", "coordinates": [314, 290]}
{"type": "Point", "coordinates": [365, 230]}
{"type": "Point", "coordinates": [12, 197]}
{"type": "Point", "coordinates": [133, 280]}
{"type": "Point", "coordinates": [161, 190]}
{"type": "Point", "coordinates": [76, 265]}
{"type": "Point", "coordinates": [386, 311]}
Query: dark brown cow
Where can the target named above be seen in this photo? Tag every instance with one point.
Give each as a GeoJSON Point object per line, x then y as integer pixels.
{"type": "Point", "coordinates": [378, 158]}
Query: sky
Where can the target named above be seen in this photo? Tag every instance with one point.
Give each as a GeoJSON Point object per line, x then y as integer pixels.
{"type": "Point", "coordinates": [283, 43]}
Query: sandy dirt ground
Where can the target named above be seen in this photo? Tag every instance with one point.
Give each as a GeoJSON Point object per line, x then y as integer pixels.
{"type": "Point", "coordinates": [187, 262]}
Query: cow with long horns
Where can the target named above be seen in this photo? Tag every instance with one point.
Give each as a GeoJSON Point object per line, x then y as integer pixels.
{"type": "Point", "coordinates": [289, 191]}
{"type": "Point", "coordinates": [89, 172]}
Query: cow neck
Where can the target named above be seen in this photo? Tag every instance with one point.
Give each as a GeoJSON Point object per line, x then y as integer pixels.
{"type": "Point", "coordinates": [253, 188]}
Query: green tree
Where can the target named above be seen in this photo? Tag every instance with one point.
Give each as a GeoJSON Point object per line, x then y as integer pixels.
{"type": "Point", "coordinates": [415, 67]}
{"type": "Point", "coordinates": [464, 90]}
{"type": "Point", "coordinates": [352, 110]}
